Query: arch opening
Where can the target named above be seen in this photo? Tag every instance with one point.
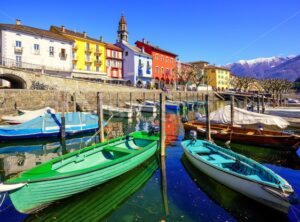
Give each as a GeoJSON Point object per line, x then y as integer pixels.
{"type": "Point", "coordinates": [15, 82]}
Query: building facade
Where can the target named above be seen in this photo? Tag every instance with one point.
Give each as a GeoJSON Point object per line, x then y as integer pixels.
{"type": "Point", "coordinates": [218, 77]}
{"type": "Point", "coordinates": [35, 48]}
{"type": "Point", "coordinates": [164, 63]}
{"type": "Point", "coordinates": [114, 61]}
{"type": "Point", "coordinates": [88, 56]}
{"type": "Point", "coordinates": [137, 64]}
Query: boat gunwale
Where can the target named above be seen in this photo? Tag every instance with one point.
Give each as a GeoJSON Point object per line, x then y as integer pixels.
{"type": "Point", "coordinates": [236, 174]}
{"type": "Point", "coordinates": [281, 136]}
{"type": "Point", "coordinates": [82, 171]}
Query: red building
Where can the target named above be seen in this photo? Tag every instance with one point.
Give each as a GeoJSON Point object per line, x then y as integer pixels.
{"type": "Point", "coordinates": [114, 61]}
{"type": "Point", "coordinates": [163, 63]}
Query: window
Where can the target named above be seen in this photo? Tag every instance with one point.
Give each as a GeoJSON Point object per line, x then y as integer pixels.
{"type": "Point", "coordinates": [156, 69]}
{"type": "Point", "coordinates": [87, 45]}
{"type": "Point", "coordinates": [156, 56]}
{"type": "Point", "coordinates": [140, 63]}
{"type": "Point", "coordinates": [63, 54]}
{"type": "Point", "coordinates": [87, 57]}
{"type": "Point", "coordinates": [97, 58]}
{"type": "Point", "coordinates": [36, 48]}
{"type": "Point", "coordinates": [97, 48]}
{"type": "Point", "coordinates": [162, 70]}
{"type": "Point", "coordinates": [108, 63]}
{"type": "Point", "coordinates": [88, 68]}
{"type": "Point", "coordinates": [18, 44]}
{"type": "Point", "coordinates": [114, 54]}
{"type": "Point", "coordinates": [51, 51]}
{"type": "Point", "coordinates": [162, 58]}
{"type": "Point", "coordinates": [97, 69]}
{"type": "Point", "coordinates": [171, 60]}
{"type": "Point", "coordinates": [74, 66]}
{"type": "Point", "coordinates": [167, 59]}
{"type": "Point", "coordinates": [18, 61]}
{"type": "Point", "coordinates": [126, 53]}
{"type": "Point", "coordinates": [167, 71]}
{"type": "Point", "coordinates": [148, 71]}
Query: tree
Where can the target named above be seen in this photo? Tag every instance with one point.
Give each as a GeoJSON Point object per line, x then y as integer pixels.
{"type": "Point", "coordinates": [184, 74]}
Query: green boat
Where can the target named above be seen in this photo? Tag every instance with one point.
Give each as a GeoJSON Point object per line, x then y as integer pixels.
{"type": "Point", "coordinates": [93, 205]}
{"type": "Point", "coordinates": [75, 172]}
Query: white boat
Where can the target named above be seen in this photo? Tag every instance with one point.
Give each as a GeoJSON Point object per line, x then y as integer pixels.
{"type": "Point", "coordinates": [240, 173]}
{"type": "Point", "coordinates": [143, 107]}
{"type": "Point", "coordinates": [121, 111]}
{"type": "Point", "coordinates": [27, 115]}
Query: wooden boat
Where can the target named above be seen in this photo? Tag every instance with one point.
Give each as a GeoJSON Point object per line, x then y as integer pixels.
{"type": "Point", "coordinates": [26, 115]}
{"type": "Point", "coordinates": [121, 111]}
{"type": "Point", "coordinates": [240, 173]}
{"type": "Point", "coordinates": [273, 139]}
{"type": "Point", "coordinates": [95, 204]}
{"type": "Point", "coordinates": [78, 171]}
{"type": "Point", "coordinates": [169, 104]}
{"type": "Point", "coordinates": [143, 107]}
{"type": "Point", "coordinates": [49, 125]}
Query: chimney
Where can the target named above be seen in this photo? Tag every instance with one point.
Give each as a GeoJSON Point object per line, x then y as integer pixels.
{"type": "Point", "coordinates": [84, 34]}
{"type": "Point", "coordinates": [143, 40]}
{"type": "Point", "coordinates": [142, 49]}
{"type": "Point", "coordinates": [148, 42]}
{"type": "Point", "coordinates": [63, 28]}
{"type": "Point", "coordinates": [18, 22]}
{"type": "Point", "coordinates": [101, 38]}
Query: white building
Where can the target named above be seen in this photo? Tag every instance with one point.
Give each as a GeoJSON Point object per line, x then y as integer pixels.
{"type": "Point", "coordinates": [28, 47]}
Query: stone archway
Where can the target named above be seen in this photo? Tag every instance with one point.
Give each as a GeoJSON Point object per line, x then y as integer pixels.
{"type": "Point", "coordinates": [16, 82]}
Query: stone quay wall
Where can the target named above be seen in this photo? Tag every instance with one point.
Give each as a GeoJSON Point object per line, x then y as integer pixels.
{"type": "Point", "coordinates": [13, 99]}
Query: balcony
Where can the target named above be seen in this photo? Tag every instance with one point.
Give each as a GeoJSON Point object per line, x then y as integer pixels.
{"type": "Point", "coordinates": [63, 56]}
{"type": "Point", "coordinates": [75, 47]}
{"type": "Point", "coordinates": [88, 50]}
{"type": "Point", "coordinates": [88, 61]}
{"type": "Point", "coordinates": [97, 62]}
{"type": "Point", "coordinates": [74, 60]}
{"type": "Point", "coordinates": [36, 52]}
{"type": "Point", "coordinates": [98, 52]}
{"type": "Point", "coordinates": [18, 49]}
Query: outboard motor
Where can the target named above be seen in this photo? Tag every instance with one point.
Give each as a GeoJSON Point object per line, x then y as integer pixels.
{"type": "Point", "coordinates": [193, 135]}
{"type": "Point", "coordinates": [153, 129]}
{"type": "Point", "coordinates": [184, 119]}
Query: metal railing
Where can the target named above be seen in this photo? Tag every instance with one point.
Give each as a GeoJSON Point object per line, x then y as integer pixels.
{"type": "Point", "coordinates": [18, 64]}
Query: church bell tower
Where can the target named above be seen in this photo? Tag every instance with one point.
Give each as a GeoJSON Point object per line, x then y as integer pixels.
{"type": "Point", "coordinates": [122, 30]}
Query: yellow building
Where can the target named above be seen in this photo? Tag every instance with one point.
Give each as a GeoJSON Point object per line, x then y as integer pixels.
{"type": "Point", "coordinates": [89, 54]}
{"type": "Point", "coordinates": [218, 77]}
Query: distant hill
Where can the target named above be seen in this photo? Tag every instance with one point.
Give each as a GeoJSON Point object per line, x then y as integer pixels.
{"type": "Point", "coordinates": [273, 67]}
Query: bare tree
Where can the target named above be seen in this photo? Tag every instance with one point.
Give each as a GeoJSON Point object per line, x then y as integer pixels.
{"type": "Point", "coordinates": [184, 75]}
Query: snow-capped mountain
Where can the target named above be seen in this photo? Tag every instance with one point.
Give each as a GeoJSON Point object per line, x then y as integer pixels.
{"type": "Point", "coordinates": [268, 67]}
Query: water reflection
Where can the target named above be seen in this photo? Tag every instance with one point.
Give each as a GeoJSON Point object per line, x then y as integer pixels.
{"type": "Point", "coordinates": [96, 203]}
{"type": "Point", "coordinates": [243, 208]}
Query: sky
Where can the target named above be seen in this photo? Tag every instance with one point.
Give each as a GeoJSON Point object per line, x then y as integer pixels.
{"type": "Point", "coordinates": [217, 31]}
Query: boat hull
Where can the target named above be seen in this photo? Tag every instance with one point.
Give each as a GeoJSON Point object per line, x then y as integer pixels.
{"type": "Point", "coordinates": [248, 188]}
{"type": "Point", "coordinates": [37, 195]}
{"type": "Point", "coordinates": [143, 108]}
{"type": "Point", "coordinates": [282, 141]}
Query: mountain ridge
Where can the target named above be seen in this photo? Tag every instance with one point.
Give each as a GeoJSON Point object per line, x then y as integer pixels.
{"type": "Point", "coordinates": [287, 67]}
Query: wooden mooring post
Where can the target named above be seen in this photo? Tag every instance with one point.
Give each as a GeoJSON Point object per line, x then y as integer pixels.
{"type": "Point", "coordinates": [130, 99]}
{"type": "Point", "coordinates": [253, 102]}
{"type": "Point", "coordinates": [263, 108]}
{"type": "Point", "coordinates": [144, 96]}
{"type": "Point", "coordinates": [258, 105]}
{"type": "Point", "coordinates": [117, 99]}
{"type": "Point", "coordinates": [164, 185]}
{"type": "Point", "coordinates": [245, 102]}
{"type": "Point", "coordinates": [231, 110]}
{"type": "Point", "coordinates": [162, 113]}
{"type": "Point", "coordinates": [63, 118]}
{"type": "Point", "coordinates": [100, 117]}
{"type": "Point", "coordinates": [208, 136]}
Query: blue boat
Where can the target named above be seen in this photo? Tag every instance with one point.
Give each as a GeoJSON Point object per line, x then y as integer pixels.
{"type": "Point", "coordinates": [240, 173]}
{"type": "Point", "coordinates": [49, 125]}
{"type": "Point", "coordinates": [170, 105]}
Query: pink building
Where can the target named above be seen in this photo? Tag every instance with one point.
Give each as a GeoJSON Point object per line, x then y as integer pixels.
{"type": "Point", "coordinates": [114, 61]}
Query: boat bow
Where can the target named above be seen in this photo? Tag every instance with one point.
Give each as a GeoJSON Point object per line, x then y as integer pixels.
{"type": "Point", "coordinates": [10, 187]}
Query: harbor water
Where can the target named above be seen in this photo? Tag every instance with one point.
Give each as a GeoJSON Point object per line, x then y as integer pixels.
{"type": "Point", "coordinates": [154, 191]}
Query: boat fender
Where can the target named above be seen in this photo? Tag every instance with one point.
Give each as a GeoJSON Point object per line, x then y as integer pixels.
{"type": "Point", "coordinates": [184, 119]}
{"type": "Point", "coordinates": [193, 135]}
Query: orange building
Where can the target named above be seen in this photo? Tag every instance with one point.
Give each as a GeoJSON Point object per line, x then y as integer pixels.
{"type": "Point", "coordinates": [163, 63]}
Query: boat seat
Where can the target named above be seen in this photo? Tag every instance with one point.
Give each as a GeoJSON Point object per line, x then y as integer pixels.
{"type": "Point", "coordinates": [117, 149]}
{"type": "Point", "coordinates": [250, 133]}
{"type": "Point", "coordinates": [220, 159]}
{"type": "Point", "coordinates": [202, 150]}
{"type": "Point", "coordinates": [254, 177]}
